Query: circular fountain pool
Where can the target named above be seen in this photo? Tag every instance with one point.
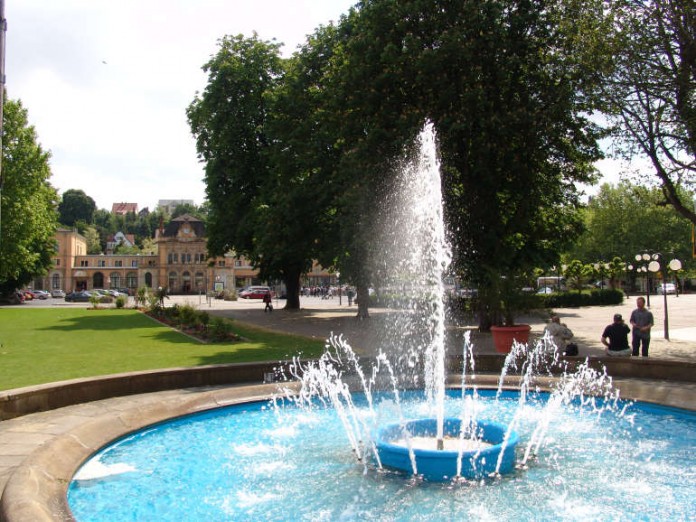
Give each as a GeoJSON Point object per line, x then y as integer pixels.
{"type": "Point", "coordinates": [256, 462]}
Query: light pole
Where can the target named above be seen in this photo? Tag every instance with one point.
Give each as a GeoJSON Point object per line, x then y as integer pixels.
{"type": "Point", "coordinates": [656, 263]}
{"type": "Point", "coordinates": [674, 265]}
{"type": "Point", "coordinates": [649, 264]}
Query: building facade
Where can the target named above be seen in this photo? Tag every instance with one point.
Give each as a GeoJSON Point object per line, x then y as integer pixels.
{"type": "Point", "coordinates": [181, 264]}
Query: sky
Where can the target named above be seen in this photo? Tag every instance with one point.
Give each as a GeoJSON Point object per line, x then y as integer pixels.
{"type": "Point", "coordinates": [106, 84]}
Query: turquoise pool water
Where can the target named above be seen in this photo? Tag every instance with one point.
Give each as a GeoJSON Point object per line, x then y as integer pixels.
{"type": "Point", "coordinates": [253, 462]}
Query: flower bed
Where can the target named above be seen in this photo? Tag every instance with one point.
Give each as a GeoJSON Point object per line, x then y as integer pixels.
{"type": "Point", "coordinates": [194, 323]}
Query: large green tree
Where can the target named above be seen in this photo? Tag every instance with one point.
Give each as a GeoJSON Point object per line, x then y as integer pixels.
{"type": "Point", "coordinates": [626, 219]}
{"type": "Point", "coordinates": [75, 208]}
{"type": "Point", "coordinates": [28, 203]}
{"type": "Point", "coordinates": [255, 208]}
{"type": "Point", "coordinates": [500, 82]}
{"type": "Point", "coordinates": [650, 90]}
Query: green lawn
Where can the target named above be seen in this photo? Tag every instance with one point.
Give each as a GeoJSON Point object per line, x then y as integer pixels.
{"type": "Point", "coordinates": [46, 345]}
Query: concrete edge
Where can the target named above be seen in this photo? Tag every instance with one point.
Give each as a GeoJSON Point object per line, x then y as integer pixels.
{"type": "Point", "coordinates": [33, 399]}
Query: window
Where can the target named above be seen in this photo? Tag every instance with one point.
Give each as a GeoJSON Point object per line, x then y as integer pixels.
{"type": "Point", "coordinates": [55, 281]}
{"type": "Point", "coordinates": [132, 280]}
{"type": "Point", "coordinates": [200, 281]}
{"type": "Point", "coordinates": [57, 262]}
{"type": "Point", "coordinates": [101, 262]}
{"type": "Point", "coordinates": [237, 262]}
{"type": "Point", "coordinates": [134, 263]}
{"type": "Point", "coordinates": [221, 262]}
{"type": "Point", "coordinates": [170, 258]}
{"type": "Point", "coordinates": [115, 280]}
{"type": "Point", "coordinates": [84, 262]}
{"type": "Point", "coordinates": [118, 263]}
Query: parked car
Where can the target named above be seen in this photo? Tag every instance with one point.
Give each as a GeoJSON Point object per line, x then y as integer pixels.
{"type": "Point", "coordinates": [78, 297]}
{"type": "Point", "coordinates": [545, 290]}
{"type": "Point", "coordinates": [255, 292]}
{"type": "Point", "coordinates": [667, 288]}
{"type": "Point", "coordinates": [41, 294]}
{"type": "Point", "coordinates": [57, 292]}
{"type": "Point", "coordinates": [28, 295]}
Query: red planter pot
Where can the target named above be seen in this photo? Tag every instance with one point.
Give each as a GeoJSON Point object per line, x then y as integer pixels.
{"type": "Point", "coordinates": [503, 336]}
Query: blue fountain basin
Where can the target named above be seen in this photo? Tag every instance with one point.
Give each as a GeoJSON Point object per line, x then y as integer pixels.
{"type": "Point", "coordinates": [441, 465]}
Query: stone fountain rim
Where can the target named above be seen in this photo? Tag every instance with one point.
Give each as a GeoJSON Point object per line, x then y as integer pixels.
{"type": "Point", "coordinates": [37, 489]}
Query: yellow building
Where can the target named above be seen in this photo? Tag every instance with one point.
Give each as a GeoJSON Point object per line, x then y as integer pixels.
{"type": "Point", "coordinates": [181, 264]}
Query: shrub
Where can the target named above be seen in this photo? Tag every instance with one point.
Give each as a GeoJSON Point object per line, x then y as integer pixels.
{"type": "Point", "coordinates": [142, 296]}
{"type": "Point", "coordinates": [94, 300]}
{"type": "Point", "coordinates": [220, 329]}
{"type": "Point", "coordinates": [187, 315]}
{"type": "Point", "coordinates": [120, 301]}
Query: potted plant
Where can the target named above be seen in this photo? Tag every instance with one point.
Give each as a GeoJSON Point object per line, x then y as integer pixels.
{"type": "Point", "coordinates": [499, 303]}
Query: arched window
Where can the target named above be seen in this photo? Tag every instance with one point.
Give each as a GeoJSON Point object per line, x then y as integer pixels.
{"type": "Point", "coordinates": [98, 280]}
{"type": "Point", "coordinates": [55, 281]}
{"type": "Point", "coordinates": [115, 280]}
{"type": "Point", "coordinates": [173, 282]}
{"type": "Point", "coordinates": [148, 280]}
{"type": "Point", "coordinates": [132, 280]}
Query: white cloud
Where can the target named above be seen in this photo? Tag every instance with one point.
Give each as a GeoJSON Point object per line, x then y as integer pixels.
{"type": "Point", "coordinates": [118, 130]}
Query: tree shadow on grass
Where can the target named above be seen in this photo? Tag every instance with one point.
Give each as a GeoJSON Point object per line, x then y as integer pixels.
{"type": "Point", "coordinates": [243, 355]}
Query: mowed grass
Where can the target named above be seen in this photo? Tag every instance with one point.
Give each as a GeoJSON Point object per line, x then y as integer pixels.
{"type": "Point", "coordinates": [44, 345]}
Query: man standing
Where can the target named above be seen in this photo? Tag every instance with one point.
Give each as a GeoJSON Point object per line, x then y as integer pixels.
{"type": "Point", "coordinates": [617, 333]}
{"type": "Point", "coordinates": [641, 321]}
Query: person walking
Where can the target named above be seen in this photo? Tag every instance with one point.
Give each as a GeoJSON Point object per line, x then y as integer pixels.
{"type": "Point", "coordinates": [267, 299]}
{"type": "Point", "coordinates": [642, 321]}
{"type": "Point", "coordinates": [617, 335]}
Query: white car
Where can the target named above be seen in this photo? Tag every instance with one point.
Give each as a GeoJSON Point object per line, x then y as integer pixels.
{"type": "Point", "coordinates": [56, 292]}
{"type": "Point", "coordinates": [667, 288]}
{"type": "Point", "coordinates": [545, 290]}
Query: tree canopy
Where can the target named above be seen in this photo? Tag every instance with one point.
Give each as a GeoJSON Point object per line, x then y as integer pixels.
{"type": "Point", "coordinates": [625, 220]}
{"type": "Point", "coordinates": [498, 80]}
{"type": "Point", "coordinates": [76, 207]}
{"type": "Point", "coordinates": [28, 204]}
{"type": "Point", "coordinates": [650, 90]}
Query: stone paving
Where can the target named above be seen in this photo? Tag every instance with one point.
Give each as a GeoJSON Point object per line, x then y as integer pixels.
{"type": "Point", "coordinates": [22, 436]}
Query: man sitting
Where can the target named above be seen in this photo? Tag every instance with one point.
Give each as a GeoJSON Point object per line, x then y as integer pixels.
{"type": "Point", "coordinates": [617, 335]}
{"type": "Point", "coordinates": [559, 333]}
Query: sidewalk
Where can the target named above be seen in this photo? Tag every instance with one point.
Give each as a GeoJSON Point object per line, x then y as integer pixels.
{"type": "Point", "coordinates": [318, 318]}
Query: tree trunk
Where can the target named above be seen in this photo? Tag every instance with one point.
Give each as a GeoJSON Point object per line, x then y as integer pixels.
{"type": "Point", "coordinates": [363, 301]}
{"type": "Point", "coordinates": [292, 287]}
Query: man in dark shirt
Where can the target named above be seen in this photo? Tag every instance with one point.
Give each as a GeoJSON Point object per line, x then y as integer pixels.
{"type": "Point", "coordinates": [617, 333]}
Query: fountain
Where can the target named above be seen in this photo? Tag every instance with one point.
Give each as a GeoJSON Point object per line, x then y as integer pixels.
{"type": "Point", "coordinates": [423, 449]}
{"type": "Point", "coordinates": [413, 245]}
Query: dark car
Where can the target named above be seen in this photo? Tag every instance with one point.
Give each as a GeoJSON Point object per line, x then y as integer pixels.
{"type": "Point", "coordinates": [78, 297]}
